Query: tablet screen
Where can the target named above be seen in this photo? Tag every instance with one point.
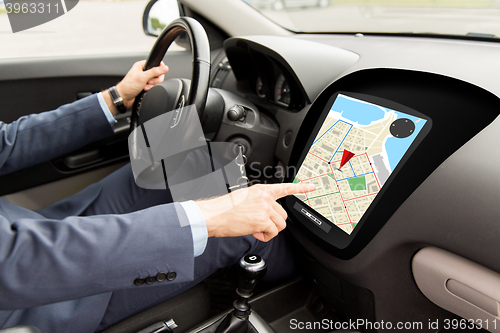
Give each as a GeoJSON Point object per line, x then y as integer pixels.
{"type": "Point", "coordinates": [357, 148]}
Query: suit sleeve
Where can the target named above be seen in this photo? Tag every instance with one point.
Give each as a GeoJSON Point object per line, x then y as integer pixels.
{"type": "Point", "coordinates": [45, 261]}
{"type": "Point", "coordinates": [41, 137]}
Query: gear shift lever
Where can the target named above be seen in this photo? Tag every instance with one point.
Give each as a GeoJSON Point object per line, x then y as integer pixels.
{"type": "Point", "coordinates": [252, 269]}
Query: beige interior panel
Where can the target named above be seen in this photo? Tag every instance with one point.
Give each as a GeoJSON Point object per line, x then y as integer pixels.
{"type": "Point", "coordinates": [459, 286]}
{"type": "Point", "coordinates": [42, 196]}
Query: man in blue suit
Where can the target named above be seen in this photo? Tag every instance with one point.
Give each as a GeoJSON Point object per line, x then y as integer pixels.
{"type": "Point", "coordinates": [114, 249]}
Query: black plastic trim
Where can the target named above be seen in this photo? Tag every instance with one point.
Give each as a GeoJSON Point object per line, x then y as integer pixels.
{"type": "Point", "coordinates": [245, 54]}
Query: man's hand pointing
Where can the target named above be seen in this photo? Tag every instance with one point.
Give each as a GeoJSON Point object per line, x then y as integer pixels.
{"type": "Point", "coordinates": [252, 210]}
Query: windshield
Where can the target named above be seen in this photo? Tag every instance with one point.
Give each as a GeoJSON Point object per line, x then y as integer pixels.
{"type": "Point", "coordinates": [478, 18]}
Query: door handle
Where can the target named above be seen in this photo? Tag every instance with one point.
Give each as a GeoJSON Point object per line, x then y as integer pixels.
{"type": "Point", "coordinates": [83, 159]}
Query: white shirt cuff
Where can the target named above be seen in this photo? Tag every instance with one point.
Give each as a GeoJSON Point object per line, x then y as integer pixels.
{"type": "Point", "coordinates": [198, 226]}
{"type": "Point", "coordinates": [105, 109]}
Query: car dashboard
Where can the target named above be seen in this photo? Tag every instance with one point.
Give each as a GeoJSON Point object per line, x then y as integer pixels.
{"type": "Point", "coordinates": [432, 196]}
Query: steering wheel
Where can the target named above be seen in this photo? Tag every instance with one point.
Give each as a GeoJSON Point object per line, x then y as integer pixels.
{"type": "Point", "coordinates": [167, 96]}
{"type": "Point", "coordinates": [173, 90]}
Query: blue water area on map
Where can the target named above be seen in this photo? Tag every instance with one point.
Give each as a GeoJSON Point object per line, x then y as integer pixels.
{"type": "Point", "coordinates": [364, 114]}
{"type": "Point", "coordinates": [357, 111]}
{"type": "Point", "coordinates": [396, 147]}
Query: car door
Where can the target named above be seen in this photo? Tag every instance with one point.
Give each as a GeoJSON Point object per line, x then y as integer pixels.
{"type": "Point", "coordinates": [60, 62]}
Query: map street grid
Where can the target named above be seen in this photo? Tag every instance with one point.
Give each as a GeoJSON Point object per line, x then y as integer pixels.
{"type": "Point", "coordinates": [343, 196]}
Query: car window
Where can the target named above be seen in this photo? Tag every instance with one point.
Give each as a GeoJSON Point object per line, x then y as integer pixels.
{"type": "Point", "coordinates": [477, 18]}
{"type": "Point", "coordinates": [92, 27]}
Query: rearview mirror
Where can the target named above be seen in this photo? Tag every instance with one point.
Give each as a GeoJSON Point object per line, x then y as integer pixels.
{"type": "Point", "coordinates": [158, 14]}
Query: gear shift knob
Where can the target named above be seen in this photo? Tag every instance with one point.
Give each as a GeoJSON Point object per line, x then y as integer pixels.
{"type": "Point", "coordinates": [252, 270]}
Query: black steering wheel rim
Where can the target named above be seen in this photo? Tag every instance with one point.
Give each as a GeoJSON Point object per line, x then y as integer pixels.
{"type": "Point", "coordinates": [200, 49]}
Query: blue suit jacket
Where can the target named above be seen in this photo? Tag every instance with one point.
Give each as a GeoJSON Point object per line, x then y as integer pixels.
{"type": "Point", "coordinates": [59, 274]}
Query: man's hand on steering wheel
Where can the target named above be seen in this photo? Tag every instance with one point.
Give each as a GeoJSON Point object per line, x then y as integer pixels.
{"type": "Point", "coordinates": [134, 82]}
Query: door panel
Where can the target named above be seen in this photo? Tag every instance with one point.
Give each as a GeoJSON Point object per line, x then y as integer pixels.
{"type": "Point", "coordinates": [36, 85]}
{"type": "Point", "coordinates": [39, 197]}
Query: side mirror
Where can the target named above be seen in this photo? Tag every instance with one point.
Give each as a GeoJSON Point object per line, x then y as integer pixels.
{"type": "Point", "coordinates": [158, 14]}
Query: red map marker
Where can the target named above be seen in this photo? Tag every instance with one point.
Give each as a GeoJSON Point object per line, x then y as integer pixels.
{"type": "Point", "coordinates": [346, 156]}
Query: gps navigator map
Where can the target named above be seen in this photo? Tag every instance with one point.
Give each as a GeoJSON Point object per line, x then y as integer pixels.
{"type": "Point", "coordinates": [357, 148]}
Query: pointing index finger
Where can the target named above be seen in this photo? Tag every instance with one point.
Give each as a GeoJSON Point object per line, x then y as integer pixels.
{"type": "Point", "coordinates": [282, 190]}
